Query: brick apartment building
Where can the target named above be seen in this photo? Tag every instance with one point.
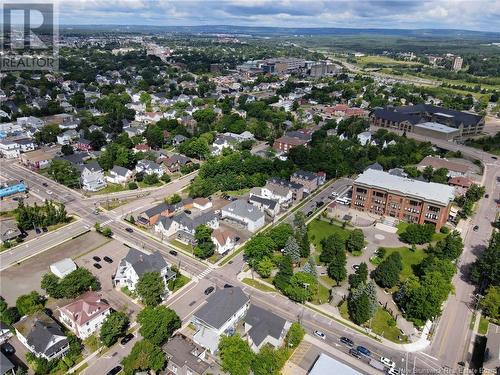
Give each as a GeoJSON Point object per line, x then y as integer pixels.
{"type": "Point", "coordinates": [286, 143]}
{"type": "Point", "coordinates": [408, 200]}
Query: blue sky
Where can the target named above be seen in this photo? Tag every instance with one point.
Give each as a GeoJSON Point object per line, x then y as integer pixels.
{"type": "Point", "coordinates": [411, 14]}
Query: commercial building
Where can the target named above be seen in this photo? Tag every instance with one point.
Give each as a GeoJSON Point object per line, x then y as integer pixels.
{"type": "Point", "coordinates": [245, 214]}
{"type": "Point", "coordinates": [326, 365]}
{"type": "Point", "coordinates": [457, 63]}
{"type": "Point", "coordinates": [408, 200]}
{"type": "Point", "coordinates": [12, 187]}
{"type": "Point", "coordinates": [283, 65]}
{"type": "Point", "coordinates": [436, 130]}
{"type": "Point", "coordinates": [405, 118]}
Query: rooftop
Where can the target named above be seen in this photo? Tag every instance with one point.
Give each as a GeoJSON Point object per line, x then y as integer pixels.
{"type": "Point", "coordinates": [429, 191]}
{"type": "Point", "coordinates": [326, 365]}
{"type": "Point", "coordinates": [243, 209]}
{"type": "Point", "coordinates": [436, 127]}
{"type": "Point", "coordinates": [264, 323]}
{"type": "Point", "coordinates": [185, 352]}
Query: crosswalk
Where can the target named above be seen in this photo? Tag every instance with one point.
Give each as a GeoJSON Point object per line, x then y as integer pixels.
{"type": "Point", "coordinates": [107, 222]}
{"type": "Point", "coordinates": [205, 273]}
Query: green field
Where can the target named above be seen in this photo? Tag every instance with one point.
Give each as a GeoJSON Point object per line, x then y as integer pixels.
{"type": "Point", "coordinates": [383, 324]}
{"type": "Point", "coordinates": [483, 326]}
{"type": "Point", "coordinates": [319, 229]}
{"type": "Point", "coordinates": [409, 258]}
{"type": "Point", "coordinates": [383, 60]}
{"type": "Point", "coordinates": [322, 296]}
{"type": "Point", "coordinates": [258, 285]}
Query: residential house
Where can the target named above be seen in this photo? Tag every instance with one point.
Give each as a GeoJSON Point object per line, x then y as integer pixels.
{"type": "Point", "coordinates": [297, 189]}
{"type": "Point", "coordinates": [280, 194]}
{"type": "Point", "coordinates": [308, 180]}
{"type": "Point", "coordinates": [8, 230]}
{"type": "Point", "coordinates": [63, 267]}
{"type": "Point", "coordinates": [83, 144]}
{"type": "Point", "coordinates": [268, 206]}
{"type": "Point", "coordinates": [25, 144]}
{"type": "Point", "coordinates": [42, 336]}
{"type": "Point", "coordinates": [85, 315]}
{"type": "Point", "coordinates": [68, 137]}
{"type": "Point", "coordinates": [224, 240]}
{"type": "Point", "coordinates": [136, 263]}
{"type": "Point", "coordinates": [262, 327]}
{"type": "Point", "coordinates": [175, 162]}
{"type": "Point", "coordinates": [491, 360]}
{"type": "Point", "coordinates": [185, 357]}
{"type": "Point", "coordinates": [9, 149]}
{"type": "Point", "coordinates": [461, 182]}
{"type": "Point", "coordinates": [184, 226]}
{"type": "Point", "coordinates": [364, 138]}
{"type": "Point", "coordinates": [6, 366]}
{"type": "Point", "coordinates": [37, 159]}
{"type": "Point", "coordinates": [149, 167]}
{"type": "Point", "coordinates": [286, 143]}
{"type": "Point", "coordinates": [152, 215]}
{"type": "Point", "coordinates": [242, 213]}
{"type": "Point", "coordinates": [119, 175]}
{"type": "Point", "coordinates": [220, 315]}
{"type": "Point", "coordinates": [141, 147]}
{"type": "Point", "coordinates": [178, 139]}
{"type": "Point", "coordinates": [5, 333]}
{"type": "Point", "coordinates": [92, 177]}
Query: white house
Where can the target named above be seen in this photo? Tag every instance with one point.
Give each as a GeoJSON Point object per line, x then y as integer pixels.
{"type": "Point", "coordinates": [85, 315]}
{"type": "Point", "coordinates": [202, 204]}
{"type": "Point", "coordinates": [68, 137]}
{"type": "Point", "coordinates": [282, 194]}
{"type": "Point", "coordinates": [136, 263]}
{"type": "Point", "coordinates": [63, 267]}
{"type": "Point", "coordinates": [262, 327]}
{"type": "Point", "coordinates": [224, 240]}
{"type": "Point", "coordinates": [25, 144]}
{"type": "Point", "coordinates": [9, 149]}
{"type": "Point", "coordinates": [243, 213]}
{"type": "Point", "coordinates": [119, 175]}
{"type": "Point", "coordinates": [42, 336]}
{"type": "Point", "coordinates": [220, 315]}
{"type": "Point", "coordinates": [149, 167]}
{"type": "Point", "coordinates": [364, 138]}
{"type": "Point", "coordinates": [185, 226]}
{"type": "Point", "coordinates": [92, 177]}
{"type": "Point", "coordinates": [269, 206]}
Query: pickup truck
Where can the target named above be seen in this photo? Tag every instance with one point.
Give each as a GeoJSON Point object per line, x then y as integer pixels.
{"type": "Point", "coordinates": [377, 364]}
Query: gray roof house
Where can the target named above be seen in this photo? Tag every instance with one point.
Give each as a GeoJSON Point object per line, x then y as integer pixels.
{"type": "Point", "coordinates": [149, 167]}
{"type": "Point", "coordinates": [178, 139]}
{"type": "Point", "coordinates": [42, 336]}
{"type": "Point", "coordinates": [223, 310]}
{"type": "Point", "coordinates": [184, 226]}
{"type": "Point", "coordinates": [185, 357]}
{"type": "Point", "coordinates": [491, 360]}
{"type": "Point", "coordinates": [119, 175]}
{"type": "Point", "coordinates": [6, 366]}
{"type": "Point", "coordinates": [241, 213]}
{"type": "Point", "coordinates": [136, 263]}
{"type": "Point", "coordinates": [92, 177]}
{"type": "Point", "coordinates": [263, 327]}
{"type": "Point", "coordinates": [8, 230]}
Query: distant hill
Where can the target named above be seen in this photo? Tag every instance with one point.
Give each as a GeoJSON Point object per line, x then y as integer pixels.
{"type": "Point", "coordinates": [282, 31]}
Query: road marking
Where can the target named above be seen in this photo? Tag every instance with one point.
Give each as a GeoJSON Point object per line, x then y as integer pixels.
{"type": "Point", "coordinates": [434, 358]}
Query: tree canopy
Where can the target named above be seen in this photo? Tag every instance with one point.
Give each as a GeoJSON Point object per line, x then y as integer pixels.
{"type": "Point", "coordinates": [151, 288]}
{"type": "Point", "coordinates": [158, 324]}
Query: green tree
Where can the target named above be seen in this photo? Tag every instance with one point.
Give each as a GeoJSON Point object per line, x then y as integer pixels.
{"type": "Point", "coordinates": [265, 267]}
{"type": "Point", "coordinates": [292, 249]}
{"type": "Point", "coordinates": [449, 247]}
{"type": "Point", "coordinates": [28, 304]}
{"type": "Point", "coordinates": [205, 247]}
{"type": "Point", "coordinates": [282, 278]}
{"type": "Point", "coordinates": [154, 136]}
{"type": "Point", "coordinates": [64, 173]}
{"type": "Point", "coordinates": [269, 361]}
{"type": "Point", "coordinates": [359, 309]}
{"type": "Point", "coordinates": [491, 302]}
{"type": "Point", "coordinates": [114, 326]}
{"type": "Point", "coordinates": [418, 233]}
{"type": "Point", "coordinates": [158, 324]}
{"type": "Point", "coordinates": [295, 335]}
{"type": "Point", "coordinates": [486, 269]}
{"type": "Point", "coordinates": [337, 268]}
{"type": "Point", "coordinates": [355, 241]}
{"type": "Point", "coordinates": [236, 355]}
{"type": "Point", "coordinates": [310, 267]}
{"type": "Point", "coordinates": [151, 179]}
{"type": "Point", "coordinates": [360, 276]}
{"type": "Point", "coordinates": [259, 247]}
{"type": "Point", "coordinates": [144, 356]}
{"type": "Point", "coordinates": [302, 287]}
{"type": "Point", "coordinates": [280, 234]}
{"type": "Point", "coordinates": [67, 150]}
{"type": "Point", "coordinates": [47, 134]}
{"type": "Point", "coordinates": [71, 285]}
{"type": "Point", "coordinates": [387, 272]}
{"type": "Point", "coordinates": [8, 315]}
{"type": "Point", "coordinates": [331, 247]}
{"type": "Point", "coordinates": [151, 288]}
{"type": "Point", "coordinates": [50, 283]}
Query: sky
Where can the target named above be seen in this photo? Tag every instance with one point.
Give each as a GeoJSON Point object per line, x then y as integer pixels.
{"type": "Point", "coordinates": [483, 15]}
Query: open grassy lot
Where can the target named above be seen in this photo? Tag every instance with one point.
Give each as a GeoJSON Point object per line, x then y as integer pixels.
{"type": "Point", "coordinates": [322, 296]}
{"type": "Point", "coordinates": [382, 60]}
{"type": "Point", "coordinates": [258, 285]}
{"type": "Point", "coordinates": [319, 229]}
{"type": "Point", "coordinates": [483, 326]}
{"type": "Point", "coordinates": [384, 325]}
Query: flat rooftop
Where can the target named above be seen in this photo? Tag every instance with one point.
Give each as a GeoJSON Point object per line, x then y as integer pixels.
{"type": "Point", "coordinates": [436, 126]}
{"type": "Point", "coordinates": [429, 191]}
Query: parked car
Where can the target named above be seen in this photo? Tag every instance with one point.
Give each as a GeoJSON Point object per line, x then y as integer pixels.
{"type": "Point", "coordinates": [355, 353]}
{"type": "Point", "coordinates": [115, 370]}
{"type": "Point", "coordinates": [173, 252]}
{"type": "Point", "coordinates": [126, 338]}
{"type": "Point", "coordinates": [49, 192]}
{"type": "Point", "coordinates": [44, 184]}
{"type": "Point", "coordinates": [38, 230]}
{"type": "Point", "coordinates": [209, 290]}
{"type": "Point", "coordinates": [347, 341]}
{"type": "Point", "coordinates": [97, 265]}
{"type": "Point", "coordinates": [7, 349]}
{"type": "Point", "coordinates": [494, 157]}
{"type": "Point", "coordinates": [188, 212]}
{"type": "Point", "coordinates": [96, 258]}
{"type": "Point", "coordinates": [108, 259]}
{"type": "Point", "coordinates": [387, 362]}
{"type": "Point", "coordinates": [320, 334]}
{"type": "Point", "coordinates": [394, 371]}
{"type": "Point", "coordinates": [486, 196]}
{"type": "Point", "coordinates": [309, 213]}
{"type": "Point", "coordinates": [476, 227]}
{"type": "Point", "coordinates": [355, 267]}
{"type": "Point", "coordinates": [130, 230]}
{"type": "Point", "coordinates": [228, 286]}
{"type": "Point", "coordinates": [364, 351]}
{"type": "Point", "coordinates": [45, 229]}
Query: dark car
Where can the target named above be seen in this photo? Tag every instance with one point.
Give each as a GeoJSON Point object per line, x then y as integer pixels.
{"type": "Point", "coordinates": [126, 338]}
{"type": "Point", "coordinates": [355, 353]}
{"type": "Point", "coordinates": [130, 230]}
{"type": "Point", "coordinates": [476, 227]}
{"type": "Point", "coordinates": [364, 351]}
{"type": "Point", "coordinates": [309, 213]}
{"type": "Point", "coordinates": [45, 229]}
{"type": "Point", "coordinates": [346, 341]}
{"type": "Point", "coordinates": [96, 258]}
{"type": "Point", "coordinates": [115, 370]}
{"type": "Point", "coordinates": [228, 286]}
{"type": "Point", "coordinates": [7, 349]}
{"type": "Point", "coordinates": [44, 184]}
{"type": "Point", "coordinates": [486, 196]}
{"type": "Point", "coordinates": [320, 203]}
{"type": "Point", "coordinates": [173, 252]}
{"type": "Point", "coordinates": [108, 259]}
{"type": "Point", "coordinates": [38, 230]}
{"type": "Point", "coordinates": [494, 157]}
{"type": "Point", "coordinates": [188, 212]}
{"type": "Point", "coordinates": [209, 290]}
{"type": "Point", "coordinates": [97, 265]}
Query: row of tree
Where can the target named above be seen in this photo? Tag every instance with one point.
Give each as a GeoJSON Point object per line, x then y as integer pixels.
{"type": "Point", "coordinates": [30, 217]}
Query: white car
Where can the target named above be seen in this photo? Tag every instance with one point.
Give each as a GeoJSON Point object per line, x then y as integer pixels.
{"type": "Point", "coordinates": [387, 362]}
{"type": "Point", "coordinates": [394, 371]}
{"type": "Point", "coordinates": [320, 334]}
{"type": "Point", "coordinates": [49, 192]}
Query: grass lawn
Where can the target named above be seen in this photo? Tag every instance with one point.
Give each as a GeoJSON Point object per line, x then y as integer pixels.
{"type": "Point", "coordinates": [258, 285]}
{"type": "Point", "coordinates": [435, 237]}
{"type": "Point", "coordinates": [409, 259]}
{"type": "Point", "coordinates": [143, 185]}
{"type": "Point", "coordinates": [180, 281]}
{"type": "Point", "coordinates": [483, 325]}
{"type": "Point", "coordinates": [380, 324]}
{"type": "Point", "coordinates": [7, 213]}
{"type": "Point", "coordinates": [322, 296]}
{"type": "Point", "coordinates": [344, 310]}
{"type": "Point", "coordinates": [319, 229]}
{"type": "Point", "coordinates": [382, 60]}
{"type": "Point", "coordinates": [182, 246]}
{"type": "Point", "coordinates": [112, 204]}
{"type": "Point", "coordinates": [239, 192]}
{"type": "Point", "coordinates": [326, 280]}
{"type": "Point", "coordinates": [111, 188]}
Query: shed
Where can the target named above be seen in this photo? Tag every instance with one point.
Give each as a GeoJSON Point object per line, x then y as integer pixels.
{"type": "Point", "coordinates": [63, 267]}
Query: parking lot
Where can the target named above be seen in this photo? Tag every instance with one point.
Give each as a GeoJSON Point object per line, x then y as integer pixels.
{"type": "Point", "coordinates": [116, 251]}
{"type": "Point", "coordinates": [25, 277]}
